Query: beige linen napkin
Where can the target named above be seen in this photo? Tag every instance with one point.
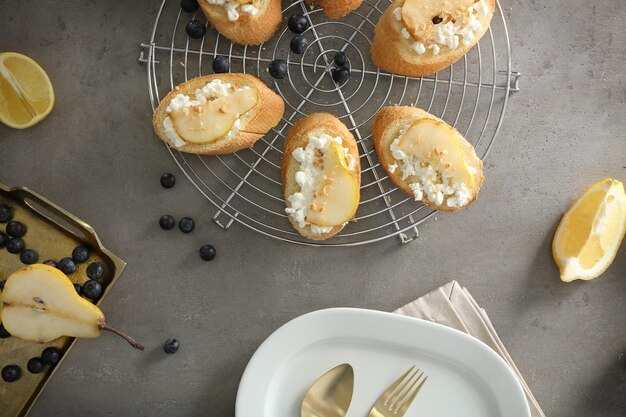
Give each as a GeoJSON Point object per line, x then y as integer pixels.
{"type": "Point", "coordinates": [453, 306]}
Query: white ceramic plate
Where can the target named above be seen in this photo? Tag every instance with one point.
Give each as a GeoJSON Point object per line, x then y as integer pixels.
{"type": "Point", "coordinates": [466, 378]}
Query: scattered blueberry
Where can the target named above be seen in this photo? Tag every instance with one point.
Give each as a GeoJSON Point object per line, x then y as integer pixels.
{"type": "Point", "coordinates": [15, 245]}
{"type": "Point", "coordinates": [207, 252]}
{"type": "Point", "coordinates": [195, 29]}
{"type": "Point", "coordinates": [67, 265]}
{"type": "Point", "coordinates": [51, 263]}
{"type": "Point", "coordinates": [16, 229]}
{"type": "Point", "coordinates": [278, 69]}
{"type": "Point", "coordinates": [78, 288]}
{"type": "Point", "coordinates": [341, 59]}
{"type": "Point", "coordinates": [80, 254]}
{"type": "Point", "coordinates": [168, 180]}
{"type": "Point", "coordinates": [189, 6]}
{"type": "Point", "coordinates": [167, 222]}
{"type": "Point", "coordinates": [341, 75]}
{"type": "Point", "coordinates": [11, 373]}
{"type": "Point", "coordinates": [28, 257]}
{"type": "Point", "coordinates": [95, 270]}
{"type": "Point", "coordinates": [4, 281]}
{"type": "Point", "coordinates": [186, 224]}
{"type": "Point", "coordinates": [3, 240]}
{"type": "Point", "coordinates": [4, 333]}
{"type": "Point", "coordinates": [51, 356]}
{"type": "Point", "coordinates": [298, 44]}
{"type": "Point", "coordinates": [221, 64]}
{"type": "Point", "coordinates": [298, 23]}
{"type": "Point", "coordinates": [35, 365]}
{"type": "Point", "coordinates": [5, 213]}
{"type": "Point", "coordinates": [92, 289]}
{"type": "Point", "coordinates": [171, 346]}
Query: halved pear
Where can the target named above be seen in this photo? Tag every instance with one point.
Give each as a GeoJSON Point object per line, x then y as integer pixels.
{"type": "Point", "coordinates": [41, 304]}
{"type": "Point", "coordinates": [207, 122]}
{"type": "Point", "coordinates": [437, 144]}
{"type": "Point", "coordinates": [337, 199]}
{"type": "Point", "coordinates": [417, 15]}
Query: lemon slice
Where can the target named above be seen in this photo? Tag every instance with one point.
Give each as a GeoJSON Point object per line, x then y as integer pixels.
{"type": "Point", "coordinates": [587, 239]}
{"type": "Point", "coordinates": [26, 94]}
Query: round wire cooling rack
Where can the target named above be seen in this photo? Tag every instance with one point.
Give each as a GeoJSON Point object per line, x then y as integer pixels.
{"type": "Point", "coordinates": [245, 187]}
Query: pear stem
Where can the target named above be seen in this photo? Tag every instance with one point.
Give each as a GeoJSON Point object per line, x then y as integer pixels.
{"type": "Point", "coordinates": [130, 340]}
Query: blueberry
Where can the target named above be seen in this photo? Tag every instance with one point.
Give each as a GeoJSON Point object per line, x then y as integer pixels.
{"type": "Point", "coordinates": [67, 265]}
{"type": "Point", "coordinates": [51, 263]}
{"type": "Point", "coordinates": [195, 29]}
{"type": "Point", "coordinates": [5, 213]}
{"type": "Point", "coordinates": [189, 6]}
{"type": "Point", "coordinates": [80, 254]}
{"type": "Point", "coordinates": [341, 59]}
{"type": "Point", "coordinates": [186, 224]}
{"type": "Point", "coordinates": [167, 222]}
{"type": "Point", "coordinates": [4, 281]}
{"type": "Point", "coordinates": [207, 252]}
{"type": "Point", "coordinates": [95, 270]}
{"type": "Point", "coordinates": [171, 346]}
{"type": "Point", "coordinates": [298, 44]}
{"type": "Point", "coordinates": [341, 75]}
{"type": "Point", "coordinates": [51, 356]}
{"type": "Point", "coordinates": [92, 289]}
{"type": "Point", "coordinates": [11, 373]}
{"type": "Point", "coordinates": [298, 23]}
{"type": "Point", "coordinates": [78, 288]}
{"type": "Point", "coordinates": [221, 64]}
{"type": "Point", "coordinates": [16, 229]}
{"type": "Point", "coordinates": [3, 240]}
{"type": "Point", "coordinates": [278, 69]}
{"type": "Point", "coordinates": [168, 180]}
{"type": "Point", "coordinates": [28, 257]}
{"type": "Point", "coordinates": [35, 365]}
{"type": "Point", "coordinates": [437, 20]}
{"type": "Point", "coordinates": [4, 333]}
{"type": "Point", "coordinates": [15, 245]}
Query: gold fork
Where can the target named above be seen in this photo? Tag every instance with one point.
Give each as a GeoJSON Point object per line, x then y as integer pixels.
{"type": "Point", "coordinates": [398, 397]}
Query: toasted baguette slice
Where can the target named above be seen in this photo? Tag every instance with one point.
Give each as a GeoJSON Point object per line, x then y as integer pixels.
{"type": "Point", "coordinates": [336, 9]}
{"type": "Point", "coordinates": [392, 52]}
{"type": "Point", "coordinates": [314, 124]}
{"type": "Point", "coordinates": [254, 123]}
{"type": "Point", "coordinates": [247, 29]}
{"type": "Point", "coordinates": [390, 122]}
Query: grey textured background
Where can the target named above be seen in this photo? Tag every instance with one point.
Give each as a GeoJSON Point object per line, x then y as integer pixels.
{"type": "Point", "coordinates": [96, 156]}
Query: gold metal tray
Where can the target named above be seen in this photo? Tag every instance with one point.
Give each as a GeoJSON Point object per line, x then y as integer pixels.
{"type": "Point", "coordinates": [52, 232]}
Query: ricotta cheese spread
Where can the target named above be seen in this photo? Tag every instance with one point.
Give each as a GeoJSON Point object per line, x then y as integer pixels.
{"type": "Point", "coordinates": [211, 91]}
{"type": "Point", "coordinates": [425, 181]}
{"type": "Point", "coordinates": [450, 34]}
{"type": "Point", "coordinates": [309, 176]}
{"type": "Point", "coordinates": [234, 9]}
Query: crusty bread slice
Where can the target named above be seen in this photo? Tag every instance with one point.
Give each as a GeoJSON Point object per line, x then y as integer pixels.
{"type": "Point", "coordinates": [391, 52]}
{"type": "Point", "coordinates": [248, 29]}
{"type": "Point", "coordinates": [254, 123]}
{"type": "Point", "coordinates": [388, 124]}
{"type": "Point", "coordinates": [316, 124]}
{"type": "Point", "coordinates": [336, 9]}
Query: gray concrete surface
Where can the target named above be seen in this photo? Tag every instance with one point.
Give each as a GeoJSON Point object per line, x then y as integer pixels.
{"type": "Point", "coordinates": [97, 157]}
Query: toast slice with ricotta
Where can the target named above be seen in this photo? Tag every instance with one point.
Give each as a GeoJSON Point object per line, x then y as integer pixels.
{"type": "Point", "coordinates": [421, 37]}
{"type": "Point", "coordinates": [427, 158]}
{"type": "Point", "coordinates": [217, 114]}
{"type": "Point", "coordinates": [321, 175]}
{"type": "Point", "coordinates": [247, 22]}
{"type": "Point", "coordinates": [336, 9]}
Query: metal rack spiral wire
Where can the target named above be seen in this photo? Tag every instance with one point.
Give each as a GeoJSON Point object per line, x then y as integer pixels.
{"type": "Point", "coordinates": [245, 187]}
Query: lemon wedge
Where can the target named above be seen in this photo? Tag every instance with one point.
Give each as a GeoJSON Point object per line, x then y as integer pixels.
{"type": "Point", "coordinates": [589, 235]}
{"type": "Point", "coordinates": [26, 94]}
